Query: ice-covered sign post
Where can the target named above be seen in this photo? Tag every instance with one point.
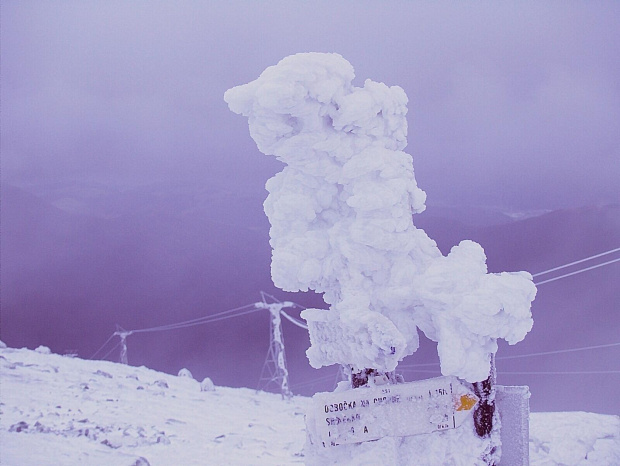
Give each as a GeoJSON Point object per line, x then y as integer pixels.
{"type": "Point", "coordinates": [341, 214]}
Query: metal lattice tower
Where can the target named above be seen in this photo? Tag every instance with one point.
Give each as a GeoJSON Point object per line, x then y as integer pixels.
{"type": "Point", "coordinates": [274, 370]}
{"type": "Point", "coordinates": [123, 334]}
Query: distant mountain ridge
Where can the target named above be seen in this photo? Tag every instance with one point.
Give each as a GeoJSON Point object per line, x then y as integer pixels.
{"type": "Point", "coordinates": [68, 279]}
{"type": "Point", "coordinates": [530, 242]}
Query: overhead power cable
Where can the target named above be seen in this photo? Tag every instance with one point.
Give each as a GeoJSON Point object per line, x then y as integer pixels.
{"type": "Point", "coordinates": [102, 346]}
{"type": "Point", "coordinates": [200, 320]}
{"type": "Point", "coordinates": [577, 271]}
{"type": "Point", "coordinates": [611, 251]}
{"type": "Point", "coordinates": [500, 372]}
{"type": "Point", "coordinates": [528, 355]}
{"type": "Point", "coordinates": [208, 321]}
{"type": "Point", "coordinates": [419, 371]}
{"type": "Point", "coordinates": [313, 381]}
{"type": "Point", "coordinates": [412, 366]}
{"type": "Point", "coordinates": [556, 372]}
{"type": "Point", "coordinates": [569, 350]}
{"type": "Point", "coordinates": [294, 321]}
{"type": "Point", "coordinates": [110, 352]}
{"type": "Point", "coordinates": [263, 294]}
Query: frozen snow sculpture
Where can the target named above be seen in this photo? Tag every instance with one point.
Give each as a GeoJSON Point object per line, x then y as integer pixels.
{"type": "Point", "coordinates": [341, 224]}
{"type": "Point", "coordinates": [185, 373]}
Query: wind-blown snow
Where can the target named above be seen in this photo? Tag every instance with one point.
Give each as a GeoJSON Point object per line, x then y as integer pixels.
{"type": "Point", "coordinates": [57, 410]}
{"type": "Point", "coordinates": [341, 224]}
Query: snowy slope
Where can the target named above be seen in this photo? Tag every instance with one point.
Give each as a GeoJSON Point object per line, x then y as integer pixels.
{"type": "Point", "coordinates": [574, 439]}
{"type": "Point", "coordinates": [57, 410]}
{"type": "Point", "coordinates": [62, 411]}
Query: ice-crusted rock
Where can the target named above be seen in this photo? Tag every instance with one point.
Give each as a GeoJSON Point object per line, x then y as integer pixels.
{"type": "Point", "coordinates": [185, 373]}
{"type": "Point", "coordinates": [141, 461]}
{"type": "Point", "coordinates": [341, 214]}
{"type": "Point", "coordinates": [207, 385]}
{"type": "Point", "coordinates": [19, 427]}
{"type": "Point", "coordinates": [162, 383]}
{"type": "Point", "coordinates": [43, 350]}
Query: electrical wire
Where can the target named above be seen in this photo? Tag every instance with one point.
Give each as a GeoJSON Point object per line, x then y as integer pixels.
{"type": "Point", "coordinates": [202, 322]}
{"type": "Point", "coordinates": [413, 366]}
{"type": "Point", "coordinates": [197, 321]}
{"type": "Point", "coordinates": [569, 350]}
{"type": "Point", "coordinates": [421, 371]}
{"type": "Point", "coordinates": [313, 381]}
{"type": "Point", "coordinates": [110, 352]}
{"type": "Point", "coordinates": [557, 372]}
{"type": "Point", "coordinates": [294, 321]}
{"type": "Point", "coordinates": [577, 271]}
{"type": "Point", "coordinates": [229, 314]}
{"type": "Point", "coordinates": [576, 262]}
{"type": "Point", "coordinates": [180, 325]}
{"type": "Point", "coordinates": [528, 355]}
{"type": "Point", "coordinates": [500, 372]}
{"type": "Point", "coordinates": [102, 346]}
{"type": "Point", "coordinates": [263, 294]}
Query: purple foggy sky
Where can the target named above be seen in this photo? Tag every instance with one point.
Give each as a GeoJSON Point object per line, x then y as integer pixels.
{"type": "Point", "coordinates": [148, 190]}
{"type": "Point", "coordinates": [513, 106]}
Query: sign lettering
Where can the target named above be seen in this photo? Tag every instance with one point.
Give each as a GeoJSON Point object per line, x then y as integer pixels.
{"type": "Point", "coordinates": [371, 413]}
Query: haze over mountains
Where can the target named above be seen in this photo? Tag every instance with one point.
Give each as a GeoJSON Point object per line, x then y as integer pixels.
{"type": "Point", "coordinates": [79, 258]}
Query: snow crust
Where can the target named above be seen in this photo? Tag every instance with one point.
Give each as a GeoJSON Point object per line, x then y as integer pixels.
{"type": "Point", "coordinates": [341, 224]}
{"type": "Point", "coordinates": [65, 411]}
{"type": "Point", "coordinates": [136, 416]}
{"type": "Point", "coordinates": [574, 438]}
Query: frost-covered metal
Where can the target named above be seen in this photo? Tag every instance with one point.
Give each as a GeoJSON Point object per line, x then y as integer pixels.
{"type": "Point", "coordinates": [275, 372]}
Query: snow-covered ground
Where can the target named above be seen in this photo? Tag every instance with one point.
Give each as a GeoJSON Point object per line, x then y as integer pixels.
{"type": "Point", "coordinates": [57, 410]}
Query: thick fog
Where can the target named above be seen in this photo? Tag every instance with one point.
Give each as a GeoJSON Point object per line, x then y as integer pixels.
{"type": "Point", "coordinates": [131, 195]}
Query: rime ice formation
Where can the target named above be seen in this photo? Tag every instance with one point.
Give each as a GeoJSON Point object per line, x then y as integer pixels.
{"type": "Point", "coordinates": [341, 224]}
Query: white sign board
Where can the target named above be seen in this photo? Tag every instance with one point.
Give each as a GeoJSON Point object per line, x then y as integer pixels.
{"type": "Point", "coordinates": [371, 413]}
{"type": "Point", "coordinates": [337, 341]}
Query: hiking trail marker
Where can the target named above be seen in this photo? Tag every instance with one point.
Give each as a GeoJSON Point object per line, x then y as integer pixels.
{"type": "Point", "coordinates": [399, 410]}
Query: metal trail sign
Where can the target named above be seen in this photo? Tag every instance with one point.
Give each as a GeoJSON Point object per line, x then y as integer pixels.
{"type": "Point", "coordinates": [400, 410]}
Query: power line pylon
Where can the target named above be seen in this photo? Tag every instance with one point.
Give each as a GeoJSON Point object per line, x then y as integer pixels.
{"type": "Point", "coordinates": [123, 334]}
{"type": "Point", "coordinates": [274, 370]}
